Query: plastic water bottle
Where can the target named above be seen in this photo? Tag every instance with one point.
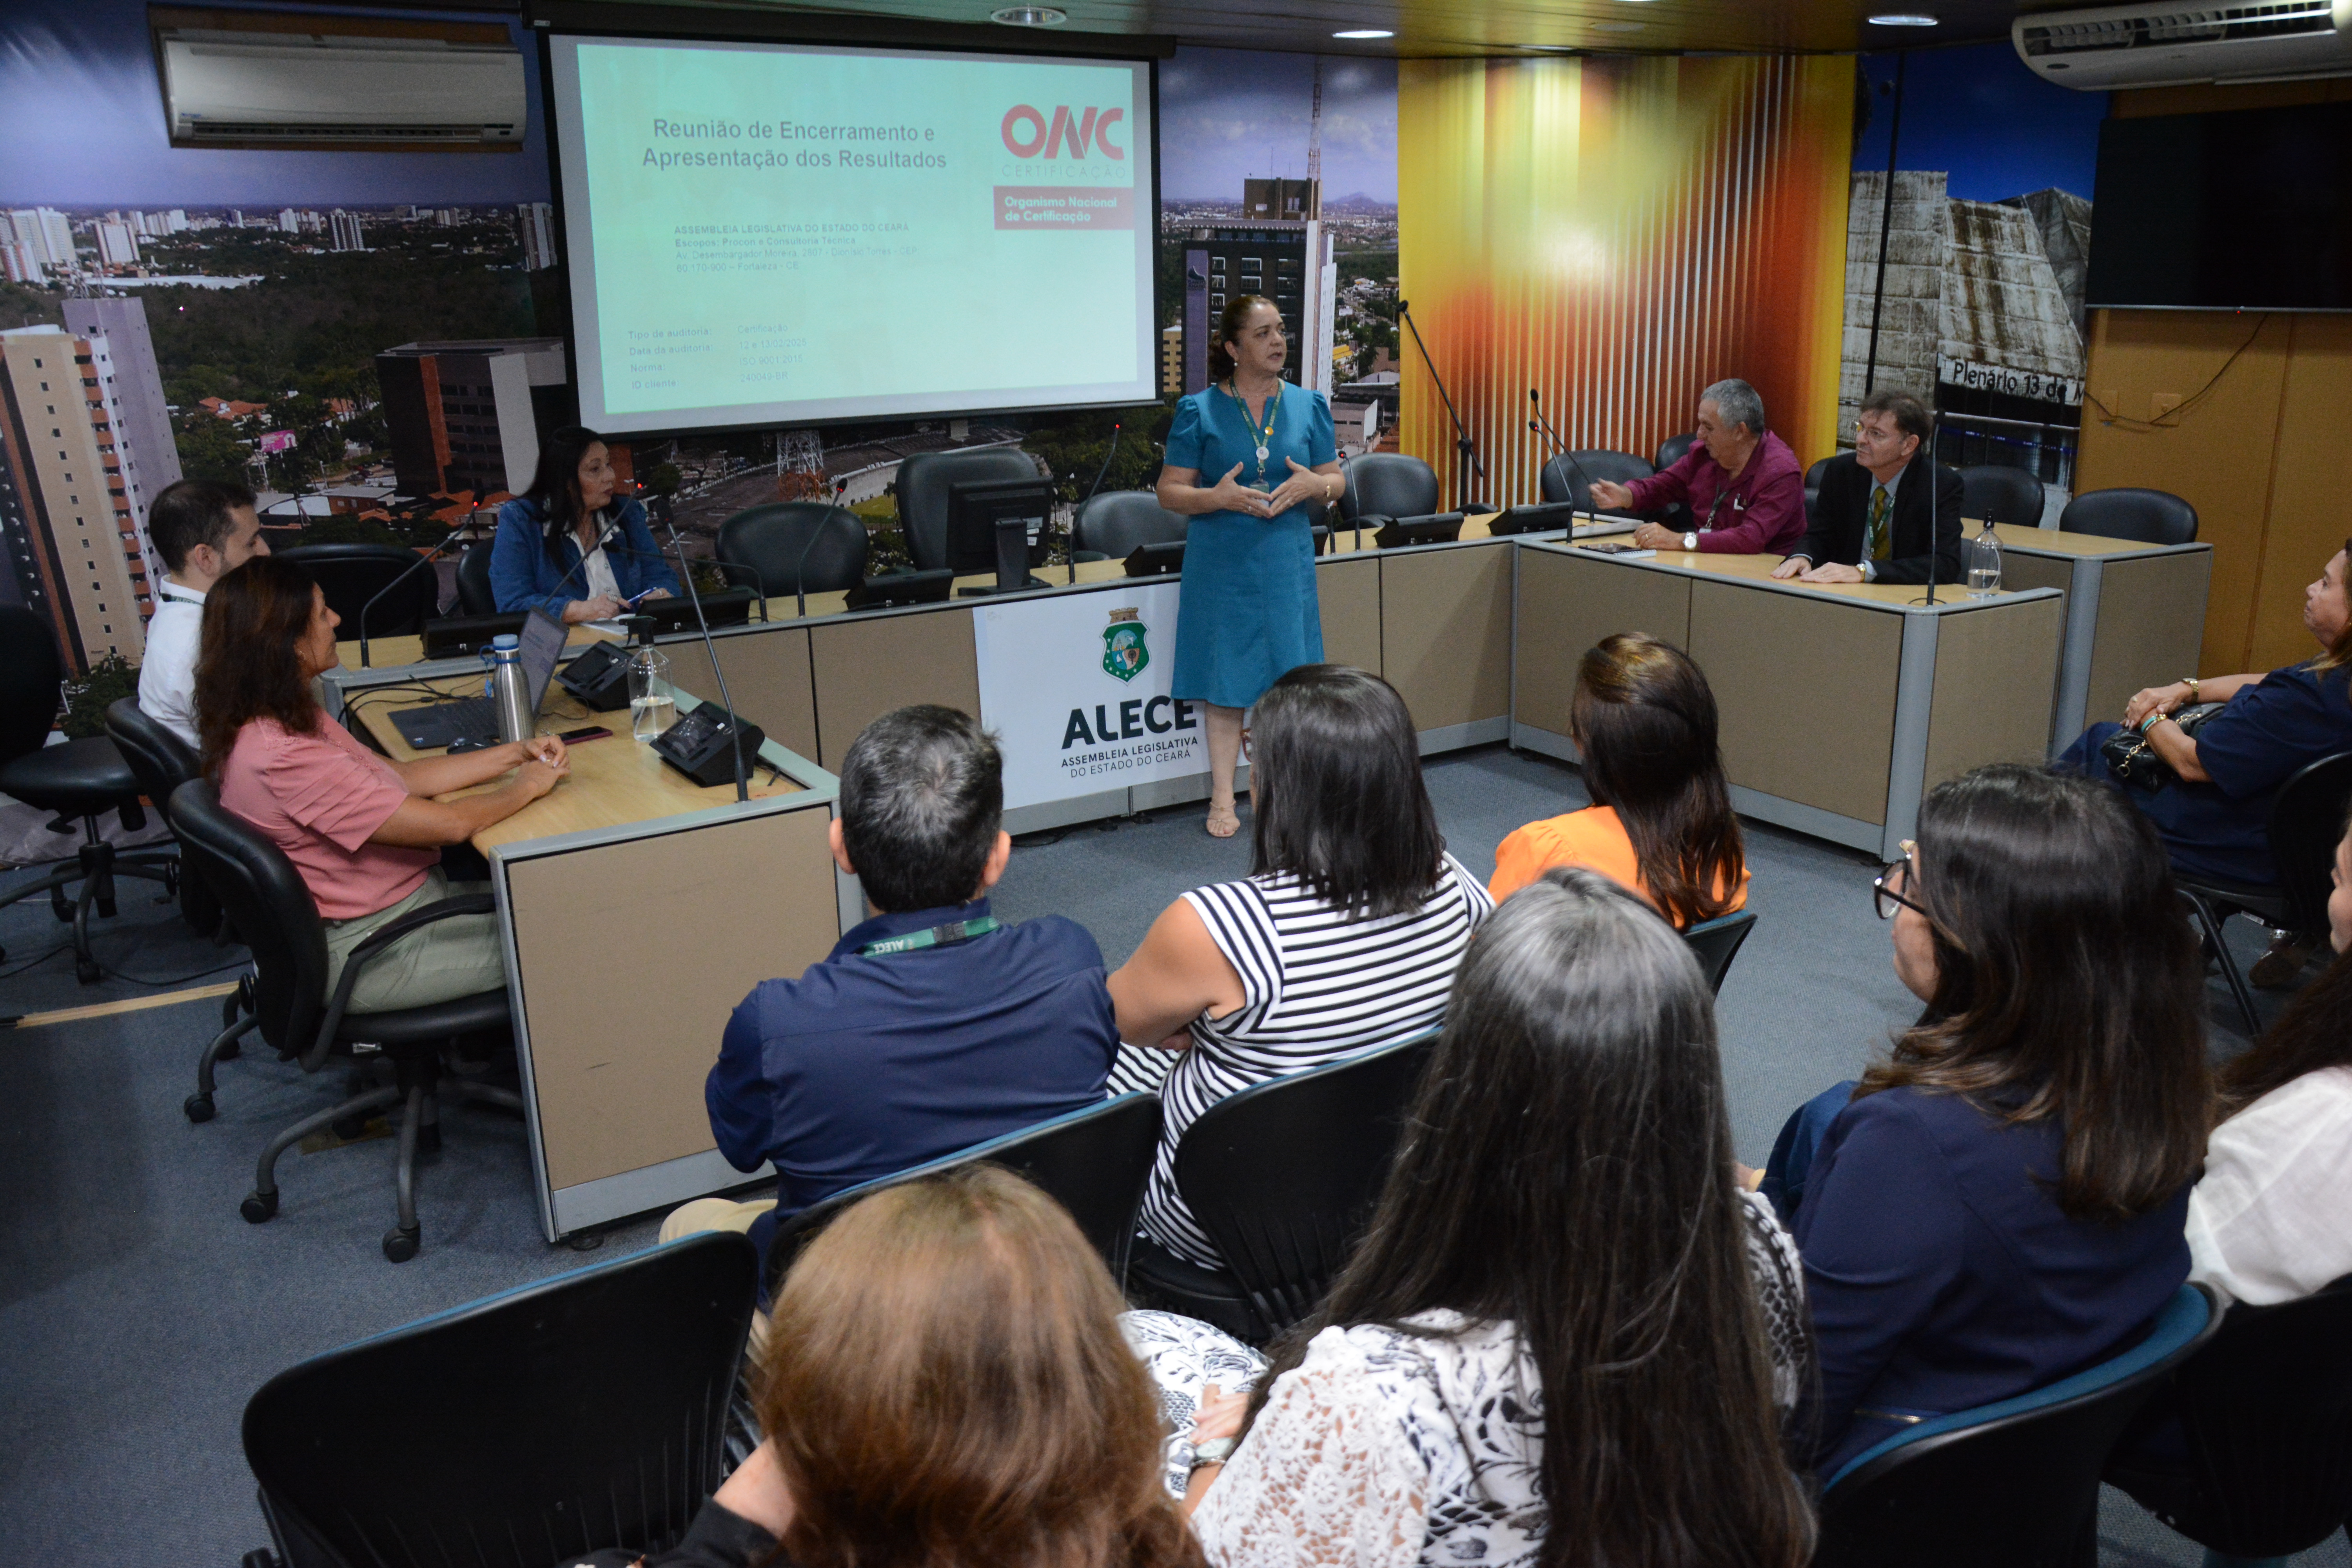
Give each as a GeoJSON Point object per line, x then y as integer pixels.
{"type": "Point", "coordinates": [510, 693]}
{"type": "Point", "coordinates": [651, 706]}
{"type": "Point", "coordinates": [1981, 557]}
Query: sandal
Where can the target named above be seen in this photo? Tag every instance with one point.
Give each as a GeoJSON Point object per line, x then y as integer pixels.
{"type": "Point", "coordinates": [1223, 824]}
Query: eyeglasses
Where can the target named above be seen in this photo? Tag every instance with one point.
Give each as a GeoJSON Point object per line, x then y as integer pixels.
{"type": "Point", "coordinates": [1882, 888]}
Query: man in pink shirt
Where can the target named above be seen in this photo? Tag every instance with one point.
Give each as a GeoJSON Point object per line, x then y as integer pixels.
{"type": "Point", "coordinates": [1744, 488]}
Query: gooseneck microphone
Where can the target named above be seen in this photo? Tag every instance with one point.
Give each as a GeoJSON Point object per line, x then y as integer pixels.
{"type": "Point", "coordinates": [686, 575]}
{"type": "Point", "coordinates": [1561, 446]}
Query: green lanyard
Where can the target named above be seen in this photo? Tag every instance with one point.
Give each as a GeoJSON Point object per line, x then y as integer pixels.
{"type": "Point", "coordinates": [1265, 437]}
{"type": "Point", "coordinates": [915, 942]}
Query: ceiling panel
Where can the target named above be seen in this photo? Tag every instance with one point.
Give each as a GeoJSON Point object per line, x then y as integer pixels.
{"type": "Point", "coordinates": [1456, 27]}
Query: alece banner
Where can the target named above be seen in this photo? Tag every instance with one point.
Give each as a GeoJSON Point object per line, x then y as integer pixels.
{"type": "Point", "coordinates": [1076, 689]}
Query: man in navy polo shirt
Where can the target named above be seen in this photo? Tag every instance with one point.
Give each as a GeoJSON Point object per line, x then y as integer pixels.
{"type": "Point", "coordinates": [930, 1027]}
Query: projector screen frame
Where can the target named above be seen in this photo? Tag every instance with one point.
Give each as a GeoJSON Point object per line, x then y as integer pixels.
{"type": "Point", "coordinates": [546, 21]}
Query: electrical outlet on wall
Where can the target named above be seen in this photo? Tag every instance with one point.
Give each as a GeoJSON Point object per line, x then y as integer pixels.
{"type": "Point", "coordinates": [2162, 404]}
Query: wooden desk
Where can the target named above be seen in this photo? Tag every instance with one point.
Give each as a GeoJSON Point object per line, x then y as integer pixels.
{"type": "Point", "coordinates": [636, 909]}
{"type": "Point", "coordinates": [1840, 704]}
{"type": "Point", "coordinates": [395, 653]}
{"type": "Point", "coordinates": [2134, 614]}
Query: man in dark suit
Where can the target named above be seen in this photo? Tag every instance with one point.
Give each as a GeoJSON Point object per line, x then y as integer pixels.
{"type": "Point", "coordinates": [1871, 524]}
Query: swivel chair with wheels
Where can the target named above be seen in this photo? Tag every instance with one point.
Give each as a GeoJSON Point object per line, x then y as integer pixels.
{"type": "Point", "coordinates": [1564, 479]}
{"type": "Point", "coordinates": [1113, 524]}
{"type": "Point", "coordinates": [475, 594]}
{"type": "Point", "coordinates": [796, 547]}
{"type": "Point", "coordinates": [78, 780]}
{"type": "Point", "coordinates": [353, 574]}
{"type": "Point", "coordinates": [266, 900]}
{"type": "Point", "coordinates": [526, 1429]}
{"type": "Point", "coordinates": [1673, 450]}
{"type": "Point", "coordinates": [2003, 494]}
{"type": "Point", "coordinates": [2015, 1482]}
{"type": "Point", "coordinates": [926, 481]}
{"type": "Point", "coordinates": [1386, 484]}
{"type": "Point", "coordinates": [2151, 517]}
{"type": "Point", "coordinates": [1283, 1177]}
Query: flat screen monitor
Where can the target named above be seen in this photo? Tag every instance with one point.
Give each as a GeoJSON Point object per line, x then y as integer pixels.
{"type": "Point", "coordinates": [761, 235]}
{"type": "Point", "coordinates": [2248, 210]}
{"type": "Point", "coordinates": [976, 506]}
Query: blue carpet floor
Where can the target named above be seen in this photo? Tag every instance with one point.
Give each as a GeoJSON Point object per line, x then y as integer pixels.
{"type": "Point", "coordinates": [138, 1311]}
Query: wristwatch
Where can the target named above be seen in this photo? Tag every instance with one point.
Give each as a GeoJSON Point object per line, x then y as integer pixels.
{"type": "Point", "coordinates": [1213, 1451]}
{"type": "Point", "coordinates": [1690, 542]}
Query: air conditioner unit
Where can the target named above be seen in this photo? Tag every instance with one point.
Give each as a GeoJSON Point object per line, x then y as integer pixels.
{"type": "Point", "coordinates": [276, 80]}
{"type": "Point", "coordinates": [2172, 46]}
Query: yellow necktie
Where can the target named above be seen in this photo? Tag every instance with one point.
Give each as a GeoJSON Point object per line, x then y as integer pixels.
{"type": "Point", "coordinates": [1881, 546]}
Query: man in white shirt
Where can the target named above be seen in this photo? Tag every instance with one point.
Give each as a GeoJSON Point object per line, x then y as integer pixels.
{"type": "Point", "coordinates": [202, 529]}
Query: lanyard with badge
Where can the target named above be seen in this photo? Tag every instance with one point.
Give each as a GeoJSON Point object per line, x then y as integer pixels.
{"type": "Point", "coordinates": [1265, 434]}
{"type": "Point", "coordinates": [937, 936]}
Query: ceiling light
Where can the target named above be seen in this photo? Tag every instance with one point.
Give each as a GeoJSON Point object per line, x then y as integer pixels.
{"type": "Point", "coordinates": [1365, 33]}
{"type": "Point", "coordinates": [1903, 19]}
{"type": "Point", "coordinates": [1029, 16]}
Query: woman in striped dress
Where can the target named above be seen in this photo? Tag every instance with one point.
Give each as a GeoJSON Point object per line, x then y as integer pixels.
{"type": "Point", "coordinates": [1344, 936]}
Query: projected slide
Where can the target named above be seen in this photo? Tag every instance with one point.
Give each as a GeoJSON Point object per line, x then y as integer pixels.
{"type": "Point", "coordinates": [761, 234]}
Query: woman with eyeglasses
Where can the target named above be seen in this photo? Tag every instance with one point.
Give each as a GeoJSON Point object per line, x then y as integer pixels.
{"type": "Point", "coordinates": [2001, 1202]}
{"type": "Point", "coordinates": [1248, 456]}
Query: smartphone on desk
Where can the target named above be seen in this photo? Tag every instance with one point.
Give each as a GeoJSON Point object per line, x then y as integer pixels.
{"type": "Point", "coordinates": [586, 732]}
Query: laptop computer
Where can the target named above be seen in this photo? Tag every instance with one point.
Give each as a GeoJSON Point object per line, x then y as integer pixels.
{"type": "Point", "coordinates": [476, 718]}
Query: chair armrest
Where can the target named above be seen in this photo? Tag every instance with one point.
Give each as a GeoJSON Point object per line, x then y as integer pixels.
{"type": "Point", "coordinates": [415, 920]}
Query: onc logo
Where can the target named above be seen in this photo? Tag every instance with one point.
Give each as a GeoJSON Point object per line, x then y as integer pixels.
{"type": "Point", "coordinates": [1049, 138]}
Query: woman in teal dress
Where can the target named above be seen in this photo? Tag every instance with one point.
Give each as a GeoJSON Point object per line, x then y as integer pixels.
{"type": "Point", "coordinates": [1247, 614]}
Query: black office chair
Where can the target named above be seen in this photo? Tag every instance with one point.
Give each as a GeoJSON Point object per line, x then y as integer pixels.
{"type": "Point", "coordinates": [1283, 1177]}
{"type": "Point", "coordinates": [2015, 1483]}
{"type": "Point", "coordinates": [1716, 942]}
{"type": "Point", "coordinates": [351, 574]}
{"type": "Point", "coordinates": [271, 909]}
{"type": "Point", "coordinates": [1673, 450]}
{"type": "Point", "coordinates": [1563, 480]}
{"type": "Point", "coordinates": [524, 1429]}
{"type": "Point", "coordinates": [1093, 1162]}
{"type": "Point", "coordinates": [1813, 490]}
{"type": "Point", "coordinates": [2151, 517]}
{"type": "Point", "coordinates": [924, 482]}
{"type": "Point", "coordinates": [2307, 821]}
{"type": "Point", "coordinates": [2005, 495]}
{"type": "Point", "coordinates": [475, 594]}
{"type": "Point", "coordinates": [1386, 484]}
{"type": "Point", "coordinates": [78, 781]}
{"type": "Point", "coordinates": [161, 762]}
{"type": "Point", "coordinates": [1114, 525]}
{"type": "Point", "coordinates": [2264, 1417]}
{"type": "Point", "coordinates": [796, 547]}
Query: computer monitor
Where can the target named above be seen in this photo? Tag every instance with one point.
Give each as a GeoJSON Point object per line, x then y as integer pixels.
{"type": "Point", "coordinates": [902, 588]}
{"type": "Point", "coordinates": [1156, 559]}
{"type": "Point", "coordinates": [1438, 528]}
{"type": "Point", "coordinates": [991, 526]}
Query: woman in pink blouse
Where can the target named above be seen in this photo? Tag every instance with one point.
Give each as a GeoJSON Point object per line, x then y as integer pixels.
{"type": "Point", "coordinates": [365, 833]}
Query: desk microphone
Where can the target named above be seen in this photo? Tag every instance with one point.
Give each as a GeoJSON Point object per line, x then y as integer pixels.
{"type": "Point", "coordinates": [686, 575]}
{"type": "Point", "coordinates": [406, 572]}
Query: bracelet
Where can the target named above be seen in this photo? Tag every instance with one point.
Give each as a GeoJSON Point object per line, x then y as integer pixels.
{"type": "Point", "coordinates": [2152, 720]}
{"type": "Point", "coordinates": [2194, 689]}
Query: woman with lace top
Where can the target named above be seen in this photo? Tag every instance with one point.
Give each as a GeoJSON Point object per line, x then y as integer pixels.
{"type": "Point", "coordinates": [1552, 1347]}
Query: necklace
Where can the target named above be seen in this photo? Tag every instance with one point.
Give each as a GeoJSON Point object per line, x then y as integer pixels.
{"type": "Point", "coordinates": [1266, 434]}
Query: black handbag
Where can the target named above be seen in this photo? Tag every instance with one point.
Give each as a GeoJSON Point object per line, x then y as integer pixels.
{"type": "Point", "coordinates": [2136, 765]}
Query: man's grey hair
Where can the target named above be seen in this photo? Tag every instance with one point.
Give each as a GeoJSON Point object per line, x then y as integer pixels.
{"type": "Point", "coordinates": [1737, 403]}
{"type": "Point", "coordinates": [922, 799]}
